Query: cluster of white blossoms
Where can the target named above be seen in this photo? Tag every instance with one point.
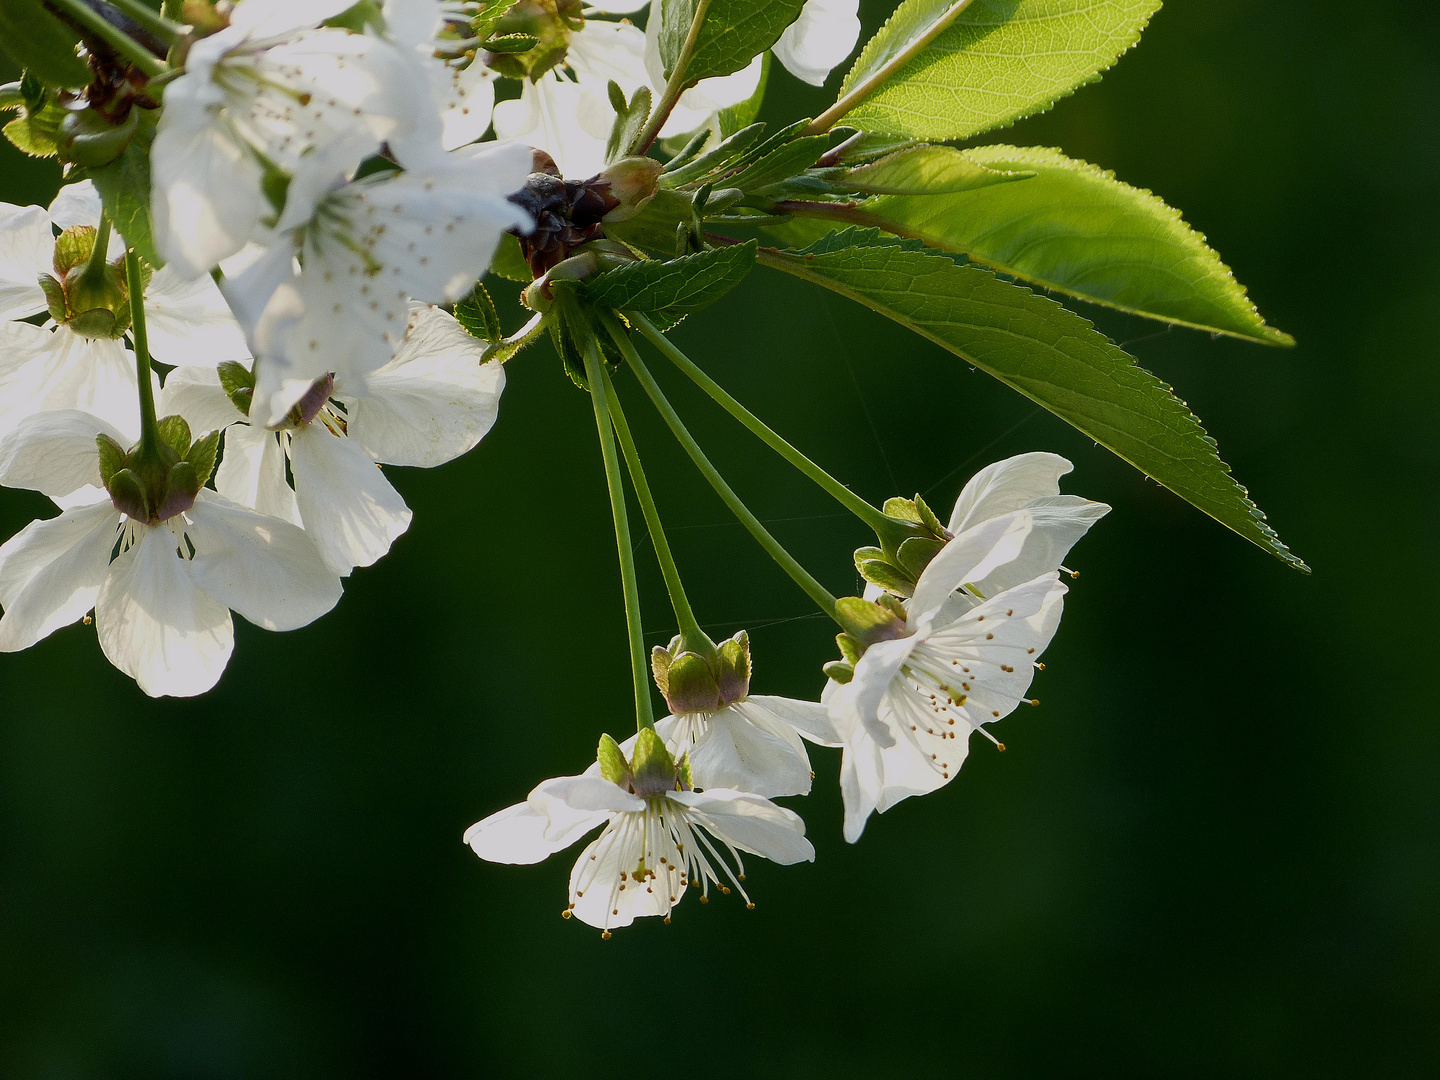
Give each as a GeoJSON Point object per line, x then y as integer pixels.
{"type": "Point", "coordinates": [922, 672]}
{"type": "Point", "coordinates": [253, 486]}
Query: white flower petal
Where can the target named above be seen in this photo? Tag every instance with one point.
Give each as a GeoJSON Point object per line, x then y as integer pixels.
{"type": "Point", "coordinates": [734, 752]}
{"type": "Point", "coordinates": [274, 18]}
{"type": "Point", "coordinates": [27, 249]}
{"type": "Point", "coordinates": [54, 453]}
{"type": "Point", "coordinates": [750, 823]}
{"type": "Point", "coordinates": [600, 897]}
{"type": "Point", "coordinates": [810, 718]}
{"type": "Point", "coordinates": [1007, 486]}
{"type": "Point", "coordinates": [823, 36]}
{"type": "Point", "coordinates": [45, 369]}
{"type": "Point", "coordinates": [468, 98]}
{"type": "Point", "coordinates": [434, 401]}
{"type": "Point", "coordinates": [156, 625]}
{"type": "Point", "coordinates": [972, 556]}
{"type": "Point", "coordinates": [266, 569]}
{"type": "Point", "coordinates": [51, 572]}
{"type": "Point", "coordinates": [189, 323]}
{"type": "Point", "coordinates": [515, 835]}
{"type": "Point", "coordinates": [345, 502]}
{"type": "Point", "coordinates": [252, 473]}
{"type": "Point", "coordinates": [857, 703]}
{"type": "Point", "coordinates": [1058, 523]}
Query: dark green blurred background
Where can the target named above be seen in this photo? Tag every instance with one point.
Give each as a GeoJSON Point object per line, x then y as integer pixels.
{"type": "Point", "coordinates": [1212, 852]}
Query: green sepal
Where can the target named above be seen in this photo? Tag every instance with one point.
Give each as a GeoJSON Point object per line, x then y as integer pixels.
{"type": "Point", "coordinates": [684, 776]}
{"type": "Point", "coordinates": [175, 433]}
{"type": "Point", "coordinates": [613, 766]}
{"type": "Point", "coordinates": [652, 767]}
{"type": "Point", "coordinates": [691, 686]}
{"type": "Point", "coordinates": [54, 298]}
{"type": "Point", "coordinates": [849, 648]}
{"type": "Point", "coordinates": [880, 571]}
{"type": "Point", "coordinates": [915, 554]}
{"type": "Point", "coordinates": [112, 458]}
{"type": "Point", "coordinates": [928, 518]}
{"type": "Point", "coordinates": [660, 667]}
{"type": "Point", "coordinates": [72, 248]}
{"type": "Point", "coordinates": [839, 671]}
{"type": "Point", "coordinates": [202, 456]}
{"type": "Point", "coordinates": [732, 668]}
{"type": "Point", "coordinates": [867, 622]}
{"type": "Point", "coordinates": [477, 314]}
{"type": "Point", "coordinates": [128, 494]}
{"type": "Point", "coordinates": [238, 382]}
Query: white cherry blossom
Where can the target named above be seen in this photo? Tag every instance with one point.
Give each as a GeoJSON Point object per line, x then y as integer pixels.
{"type": "Point", "coordinates": [752, 744]}
{"type": "Point", "coordinates": [916, 694]}
{"type": "Point", "coordinates": [162, 603]}
{"type": "Point", "coordinates": [433, 402]}
{"type": "Point", "coordinates": [368, 247]}
{"type": "Point", "coordinates": [53, 366]}
{"type": "Point", "coordinates": [272, 88]}
{"type": "Point", "coordinates": [658, 839]}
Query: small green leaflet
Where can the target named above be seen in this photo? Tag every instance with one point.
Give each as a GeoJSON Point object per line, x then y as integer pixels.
{"type": "Point", "coordinates": [477, 314]}
{"type": "Point", "coordinates": [995, 62]}
{"type": "Point", "coordinates": [1049, 354]}
{"type": "Point", "coordinates": [733, 34]}
{"type": "Point", "coordinates": [781, 163]}
{"type": "Point", "coordinates": [1076, 229]}
{"type": "Point", "coordinates": [124, 187]}
{"type": "Point", "coordinates": [673, 288]}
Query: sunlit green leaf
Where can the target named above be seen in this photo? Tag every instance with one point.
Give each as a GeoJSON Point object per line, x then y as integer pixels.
{"type": "Point", "coordinates": [1049, 354]}
{"type": "Point", "coordinates": [675, 287]}
{"type": "Point", "coordinates": [733, 34]}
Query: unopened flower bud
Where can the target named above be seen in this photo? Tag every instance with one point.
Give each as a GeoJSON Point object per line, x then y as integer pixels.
{"type": "Point", "coordinates": [632, 182]}
{"type": "Point", "coordinates": [88, 138]}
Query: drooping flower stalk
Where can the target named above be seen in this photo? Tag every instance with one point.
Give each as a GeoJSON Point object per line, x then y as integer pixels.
{"type": "Point", "coordinates": [871, 516]}
{"type": "Point", "coordinates": [787, 562]}
{"type": "Point", "coordinates": [149, 427]}
{"type": "Point", "coordinates": [639, 668]}
{"type": "Point", "coordinates": [693, 639]}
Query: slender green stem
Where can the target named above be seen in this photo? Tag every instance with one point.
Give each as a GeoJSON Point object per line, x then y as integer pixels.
{"type": "Point", "coordinates": [867, 86]}
{"type": "Point", "coordinates": [802, 577]}
{"type": "Point", "coordinates": [842, 494]}
{"type": "Point", "coordinates": [149, 429]}
{"type": "Point", "coordinates": [147, 18]}
{"type": "Point", "coordinates": [675, 85]}
{"type": "Point", "coordinates": [98, 26]}
{"type": "Point", "coordinates": [692, 638]}
{"type": "Point", "coordinates": [639, 668]}
{"type": "Point", "coordinates": [95, 267]}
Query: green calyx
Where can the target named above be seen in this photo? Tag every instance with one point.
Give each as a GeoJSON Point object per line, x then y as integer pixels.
{"type": "Point", "coordinates": [529, 38]}
{"type": "Point", "coordinates": [699, 680]}
{"type": "Point", "coordinates": [865, 623]}
{"type": "Point", "coordinates": [88, 294]}
{"type": "Point", "coordinates": [652, 770]}
{"type": "Point", "coordinates": [238, 382]}
{"type": "Point", "coordinates": [152, 483]}
{"type": "Point", "coordinates": [913, 536]}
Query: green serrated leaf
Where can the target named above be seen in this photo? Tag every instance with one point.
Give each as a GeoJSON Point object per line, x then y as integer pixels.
{"type": "Point", "coordinates": [925, 170]}
{"type": "Point", "coordinates": [994, 62]}
{"type": "Point", "coordinates": [630, 117]}
{"type": "Point", "coordinates": [124, 187]}
{"type": "Point", "coordinates": [781, 163]}
{"type": "Point", "coordinates": [1076, 229]}
{"type": "Point", "coordinates": [477, 314]}
{"type": "Point", "coordinates": [36, 131]}
{"type": "Point", "coordinates": [42, 44]}
{"type": "Point", "coordinates": [733, 34]}
{"type": "Point", "coordinates": [675, 287]}
{"type": "Point", "coordinates": [1049, 354]}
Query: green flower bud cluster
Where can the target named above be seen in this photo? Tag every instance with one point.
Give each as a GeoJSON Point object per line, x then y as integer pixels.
{"type": "Point", "coordinates": [86, 293]}
{"type": "Point", "coordinates": [865, 622]}
{"type": "Point", "coordinates": [154, 483]}
{"type": "Point", "coordinates": [696, 683]}
{"type": "Point", "coordinates": [652, 770]}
